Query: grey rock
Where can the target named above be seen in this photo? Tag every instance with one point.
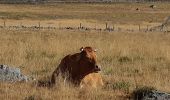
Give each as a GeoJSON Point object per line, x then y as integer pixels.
{"type": "Point", "coordinates": [11, 74]}
{"type": "Point", "coordinates": [150, 94]}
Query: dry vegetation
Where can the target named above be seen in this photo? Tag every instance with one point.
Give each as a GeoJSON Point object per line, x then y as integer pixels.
{"type": "Point", "coordinates": [128, 60]}
{"type": "Point", "coordinates": [117, 13]}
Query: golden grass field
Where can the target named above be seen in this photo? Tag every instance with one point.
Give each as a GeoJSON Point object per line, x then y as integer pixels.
{"type": "Point", "coordinates": [128, 60]}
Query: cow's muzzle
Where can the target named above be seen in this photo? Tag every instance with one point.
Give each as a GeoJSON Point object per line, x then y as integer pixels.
{"type": "Point", "coordinates": [97, 68]}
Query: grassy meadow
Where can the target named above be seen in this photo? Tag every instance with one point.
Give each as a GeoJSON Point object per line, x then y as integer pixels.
{"type": "Point", "coordinates": [128, 60]}
{"type": "Point", "coordinates": [116, 12]}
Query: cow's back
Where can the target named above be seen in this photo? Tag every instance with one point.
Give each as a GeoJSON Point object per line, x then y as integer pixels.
{"type": "Point", "coordinates": [68, 67]}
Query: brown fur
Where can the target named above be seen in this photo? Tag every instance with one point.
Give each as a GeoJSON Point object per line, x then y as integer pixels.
{"type": "Point", "coordinates": [92, 80]}
{"type": "Point", "coordinates": [75, 67]}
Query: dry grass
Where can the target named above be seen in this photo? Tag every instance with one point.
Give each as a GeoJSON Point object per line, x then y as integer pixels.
{"type": "Point", "coordinates": [116, 13]}
{"type": "Point", "coordinates": [128, 60]}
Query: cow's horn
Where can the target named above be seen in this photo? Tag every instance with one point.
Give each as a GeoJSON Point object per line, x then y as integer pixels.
{"type": "Point", "coordinates": [81, 49]}
{"type": "Point", "coordinates": [95, 50]}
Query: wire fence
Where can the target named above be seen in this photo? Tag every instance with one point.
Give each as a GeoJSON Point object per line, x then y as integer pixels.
{"type": "Point", "coordinates": [86, 27]}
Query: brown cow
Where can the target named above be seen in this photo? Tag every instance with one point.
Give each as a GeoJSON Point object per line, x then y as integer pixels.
{"type": "Point", "coordinates": [75, 67]}
{"type": "Point", "coordinates": [92, 81]}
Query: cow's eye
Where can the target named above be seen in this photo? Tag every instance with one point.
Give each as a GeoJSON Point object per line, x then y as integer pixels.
{"type": "Point", "coordinates": [91, 63]}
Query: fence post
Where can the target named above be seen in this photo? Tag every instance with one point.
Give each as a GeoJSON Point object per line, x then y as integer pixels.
{"type": "Point", "coordinates": [80, 26]}
{"type": "Point", "coordinates": [59, 25]}
{"type": "Point", "coordinates": [106, 26]}
{"type": "Point", "coordinates": [113, 27]}
{"type": "Point", "coordinates": [147, 28]}
{"type": "Point", "coordinates": [21, 24]}
{"type": "Point", "coordinates": [139, 27]}
{"type": "Point", "coordinates": [162, 27]}
{"type": "Point", "coordinates": [4, 24]}
{"type": "Point", "coordinates": [39, 25]}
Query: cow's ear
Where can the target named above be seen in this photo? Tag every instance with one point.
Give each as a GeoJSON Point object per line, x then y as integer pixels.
{"type": "Point", "coordinates": [81, 49]}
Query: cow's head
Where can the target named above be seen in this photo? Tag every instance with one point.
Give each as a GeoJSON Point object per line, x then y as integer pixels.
{"type": "Point", "coordinates": [88, 62]}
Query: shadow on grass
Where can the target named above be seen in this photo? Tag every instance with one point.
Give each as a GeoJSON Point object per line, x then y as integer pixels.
{"type": "Point", "coordinates": [44, 82]}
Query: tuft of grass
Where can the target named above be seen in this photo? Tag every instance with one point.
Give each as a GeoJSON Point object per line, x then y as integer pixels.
{"type": "Point", "coordinates": [45, 54]}
{"type": "Point", "coordinates": [121, 85]}
{"type": "Point", "coordinates": [108, 71]}
{"type": "Point", "coordinates": [124, 59]}
{"type": "Point", "coordinates": [33, 97]}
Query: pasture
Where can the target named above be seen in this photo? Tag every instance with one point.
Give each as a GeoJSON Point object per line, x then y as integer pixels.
{"type": "Point", "coordinates": [128, 60]}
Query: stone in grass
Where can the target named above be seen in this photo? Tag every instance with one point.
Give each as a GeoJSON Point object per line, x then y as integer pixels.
{"type": "Point", "coordinates": [11, 74]}
{"type": "Point", "coordinates": [147, 93]}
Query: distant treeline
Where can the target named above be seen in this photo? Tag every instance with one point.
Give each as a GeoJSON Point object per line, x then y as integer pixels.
{"type": "Point", "coordinates": [75, 1]}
